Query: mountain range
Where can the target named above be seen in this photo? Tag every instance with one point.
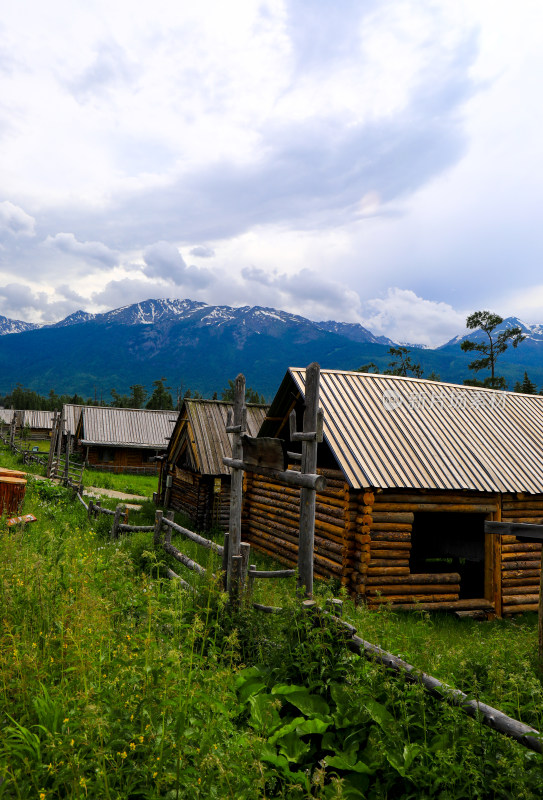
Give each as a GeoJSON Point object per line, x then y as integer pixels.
{"type": "Point", "coordinates": [199, 346]}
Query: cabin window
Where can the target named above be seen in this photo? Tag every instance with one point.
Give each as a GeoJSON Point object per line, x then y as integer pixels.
{"type": "Point", "coordinates": [450, 542]}
{"type": "Point", "coordinates": [107, 455]}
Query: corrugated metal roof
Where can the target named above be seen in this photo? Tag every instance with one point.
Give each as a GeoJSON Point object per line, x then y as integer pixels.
{"type": "Point", "coordinates": [393, 432]}
{"type": "Point", "coordinates": [6, 415]}
{"type": "Point", "coordinates": [126, 427]}
{"type": "Point", "coordinates": [206, 421]}
{"type": "Point", "coordinates": [71, 414]}
{"type": "Point", "coordinates": [38, 419]}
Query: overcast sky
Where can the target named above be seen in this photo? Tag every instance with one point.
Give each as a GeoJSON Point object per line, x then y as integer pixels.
{"type": "Point", "coordinates": [362, 160]}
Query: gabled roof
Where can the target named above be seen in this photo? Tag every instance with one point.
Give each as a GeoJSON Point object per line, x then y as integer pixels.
{"type": "Point", "coordinates": [71, 413]}
{"type": "Point", "coordinates": [393, 432]}
{"type": "Point", "coordinates": [38, 419]}
{"type": "Point", "coordinates": [125, 427]}
{"type": "Point", "coordinates": [204, 423]}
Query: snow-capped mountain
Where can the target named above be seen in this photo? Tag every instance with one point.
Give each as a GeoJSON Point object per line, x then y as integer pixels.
{"type": "Point", "coordinates": [15, 326]}
{"type": "Point", "coordinates": [193, 344]}
{"type": "Point", "coordinates": [533, 333]}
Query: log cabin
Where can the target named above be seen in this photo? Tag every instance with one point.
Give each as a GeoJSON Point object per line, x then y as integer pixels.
{"type": "Point", "coordinates": [193, 479]}
{"type": "Point", "coordinates": [124, 439]}
{"type": "Point", "coordinates": [414, 468]}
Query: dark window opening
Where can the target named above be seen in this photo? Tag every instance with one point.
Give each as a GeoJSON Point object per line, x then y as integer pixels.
{"type": "Point", "coordinates": [449, 542]}
{"type": "Point", "coordinates": [106, 455]}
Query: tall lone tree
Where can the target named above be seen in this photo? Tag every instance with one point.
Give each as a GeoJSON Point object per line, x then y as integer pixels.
{"type": "Point", "coordinates": [491, 349]}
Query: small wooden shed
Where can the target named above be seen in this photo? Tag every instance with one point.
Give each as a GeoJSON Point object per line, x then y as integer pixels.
{"type": "Point", "coordinates": [124, 439]}
{"type": "Point", "coordinates": [193, 478]}
{"type": "Point", "coordinates": [414, 469]}
{"type": "Point", "coordinates": [38, 424]}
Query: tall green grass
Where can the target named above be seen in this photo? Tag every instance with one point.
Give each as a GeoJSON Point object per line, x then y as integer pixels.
{"type": "Point", "coordinates": [115, 683]}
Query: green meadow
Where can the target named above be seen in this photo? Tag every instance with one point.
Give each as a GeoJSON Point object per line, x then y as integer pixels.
{"type": "Point", "coordinates": [117, 683]}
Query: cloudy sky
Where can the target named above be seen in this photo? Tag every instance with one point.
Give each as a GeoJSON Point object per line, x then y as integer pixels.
{"type": "Point", "coordinates": [373, 161]}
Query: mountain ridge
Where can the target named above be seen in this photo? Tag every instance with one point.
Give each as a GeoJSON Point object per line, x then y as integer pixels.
{"type": "Point", "coordinates": [196, 345]}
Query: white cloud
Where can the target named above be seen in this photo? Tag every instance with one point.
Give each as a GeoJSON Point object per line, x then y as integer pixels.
{"type": "Point", "coordinates": [403, 316]}
{"type": "Point", "coordinates": [14, 221]}
{"type": "Point", "coordinates": [95, 251]}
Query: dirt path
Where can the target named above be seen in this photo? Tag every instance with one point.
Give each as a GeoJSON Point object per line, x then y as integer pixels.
{"type": "Point", "coordinates": [98, 491]}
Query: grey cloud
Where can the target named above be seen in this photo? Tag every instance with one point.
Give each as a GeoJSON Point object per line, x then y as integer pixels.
{"type": "Point", "coordinates": [17, 300]}
{"type": "Point", "coordinates": [306, 287]}
{"type": "Point", "coordinates": [127, 291]}
{"type": "Point", "coordinates": [96, 251]}
{"type": "Point", "coordinates": [163, 260]}
{"type": "Point", "coordinates": [202, 251]}
{"type": "Point", "coordinates": [67, 292]}
{"type": "Point", "coordinates": [14, 221]}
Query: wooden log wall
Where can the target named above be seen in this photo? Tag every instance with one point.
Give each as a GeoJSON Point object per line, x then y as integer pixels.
{"type": "Point", "coordinates": [194, 495]}
{"type": "Point", "coordinates": [383, 535]}
{"type": "Point", "coordinates": [271, 515]}
{"type": "Point", "coordinates": [520, 561]}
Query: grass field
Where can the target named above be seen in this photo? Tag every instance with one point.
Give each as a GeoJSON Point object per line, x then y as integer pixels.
{"type": "Point", "coordinates": [114, 683]}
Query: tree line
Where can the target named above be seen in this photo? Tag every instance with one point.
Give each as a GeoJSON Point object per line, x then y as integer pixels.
{"type": "Point", "coordinates": [159, 398]}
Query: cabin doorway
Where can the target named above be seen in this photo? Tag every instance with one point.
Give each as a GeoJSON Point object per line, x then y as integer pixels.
{"type": "Point", "coordinates": [450, 542]}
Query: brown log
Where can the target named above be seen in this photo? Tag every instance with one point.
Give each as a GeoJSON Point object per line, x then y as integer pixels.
{"type": "Point", "coordinates": [512, 565]}
{"type": "Point", "coordinates": [455, 605]}
{"type": "Point", "coordinates": [362, 538]}
{"type": "Point", "coordinates": [388, 570]}
{"type": "Point", "coordinates": [526, 547]}
{"type": "Point", "coordinates": [368, 498]}
{"type": "Point", "coordinates": [423, 598]}
{"type": "Point", "coordinates": [392, 554]}
{"type": "Point", "coordinates": [436, 498]}
{"type": "Point", "coordinates": [522, 505]}
{"type": "Point", "coordinates": [389, 562]}
{"type": "Point", "coordinates": [531, 520]}
{"type": "Point", "coordinates": [520, 609]}
{"type": "Point", "coordinates": [405, 546]}
{"type": "Point", "coordinates": [520, 573]}
{"type": "Point", "coordinates": [521, 555]}
{"type": "Point", "coordinates": [414, 578]}
{"type": "Point", "coordinates": [517, 600]}
{"type": "Point", "coordinates": [390, 536]}
{"type": "Point", "coordinates": [531, 583]}
{"type": "Point", "coordinates": [457, 507]}
{"type": "Point", "coordinates": [389, 526]}
{"type": "Point", "coordinates": [388, 516]}
{"type": "Point", "coordinates": [405, 589]}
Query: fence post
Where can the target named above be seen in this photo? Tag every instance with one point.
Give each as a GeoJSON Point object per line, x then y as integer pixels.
{"type": "Point", "coordinates": [158, 529]}
{"type": "Point", "coordinates": [119, 511]}
{"type": "Point", "coordinates": [236, 487]}
{"type": "Point", "coordinates": [250, 582]}
{"type": "Point", "coordinates": [245, 553]}
{"type": "Point", "coordinates": [308, 496]}
{"type": "Point", "coordinates": [226, 558]}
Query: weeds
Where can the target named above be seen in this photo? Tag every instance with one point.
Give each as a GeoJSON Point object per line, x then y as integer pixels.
{"type": "Point", "coordinates": [116, 684]}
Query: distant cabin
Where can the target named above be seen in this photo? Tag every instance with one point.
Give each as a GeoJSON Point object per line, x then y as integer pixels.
{"type": "Point", "coordinates": [193, 478]}
{"type": "Point", "coordinates": [414, 469]}
{"type": "Point", "coordinates": [124, 439]}
{"type": "Point", "coordinates": [38, 424]}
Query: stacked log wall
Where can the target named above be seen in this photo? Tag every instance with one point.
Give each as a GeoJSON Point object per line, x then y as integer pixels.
{"type": "Point", "coordinates": [194, 495]}
{"type": "Point", "coordinates": [186, 497]}
{"type": "Point", "coordinates": [271, 518]}
{"type": "Point", "coordinates": [520, 561]}
{"type": "Point", "coordinates": [384, 530]}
